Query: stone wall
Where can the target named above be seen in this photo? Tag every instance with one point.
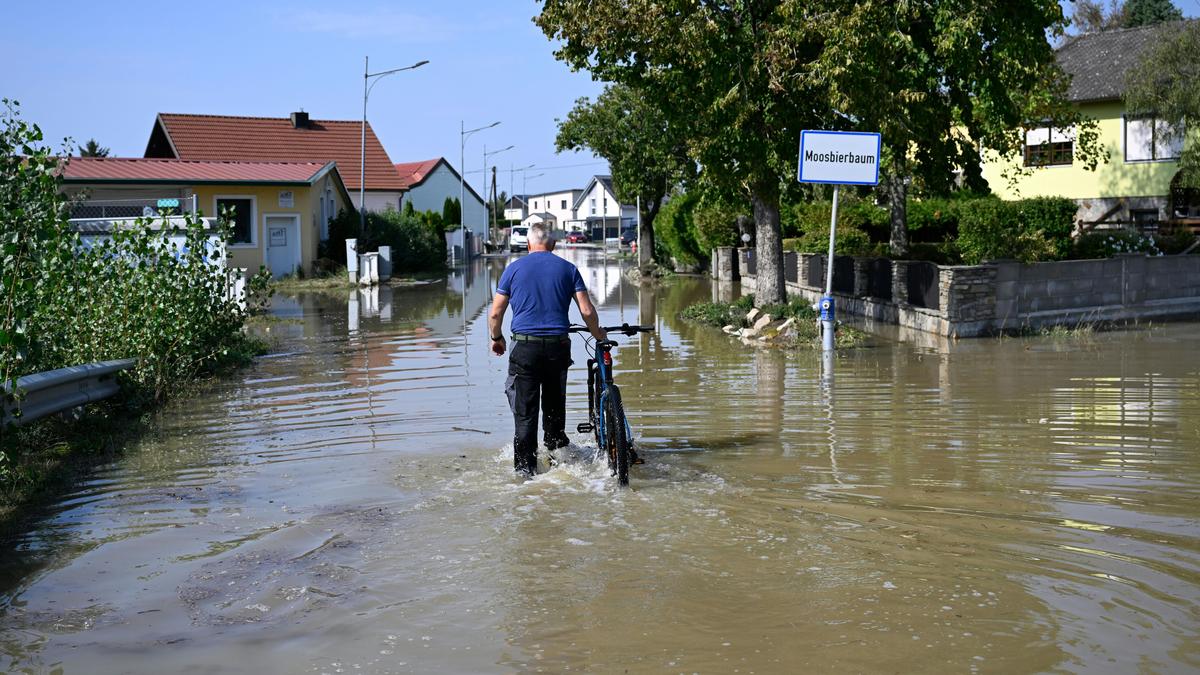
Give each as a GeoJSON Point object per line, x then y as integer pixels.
{"type": "Point", "coordinates": [1010, 296]}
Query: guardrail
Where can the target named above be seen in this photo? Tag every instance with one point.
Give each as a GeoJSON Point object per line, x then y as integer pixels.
{"type": "Point", "coordinates": [55, 391]}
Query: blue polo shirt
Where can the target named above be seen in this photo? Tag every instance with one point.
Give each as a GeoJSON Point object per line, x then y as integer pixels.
{"type": "Point", "coordinates": [539, 287]}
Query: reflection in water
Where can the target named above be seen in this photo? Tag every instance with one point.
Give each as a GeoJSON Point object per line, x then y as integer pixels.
{"type": "Point", "coordinates": [348, 504]}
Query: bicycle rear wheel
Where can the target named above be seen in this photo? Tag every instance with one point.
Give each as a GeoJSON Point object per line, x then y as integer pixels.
{"type": "Point", "coordinates": [618, 442]}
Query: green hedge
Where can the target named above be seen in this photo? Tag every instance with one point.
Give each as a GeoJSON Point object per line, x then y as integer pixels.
{"type": "Point", "coordinates": [1027, 230]}
{"type": "Point", "coordinates": [416, 239]}
{"type": "Point", "coordinates": [674, 230]}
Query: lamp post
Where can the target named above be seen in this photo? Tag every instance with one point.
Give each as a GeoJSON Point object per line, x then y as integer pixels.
{"type": "Point", "coordinates": [525, 182]}
{"type": "Point", "coordinates": [487, 154]}
{"type": "Point", "coordinates": [362, 154]}
{"type": "Point", "coordinates": [463, 134]}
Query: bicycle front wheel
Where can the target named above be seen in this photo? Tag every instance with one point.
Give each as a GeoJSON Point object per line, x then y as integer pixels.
{"type": "Point", "coordinates": [618, 441]}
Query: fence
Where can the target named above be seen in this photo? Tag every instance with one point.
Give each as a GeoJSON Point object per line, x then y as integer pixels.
{"type": "Point", "coordinates": [879, 278]}
{"type": "Point", "coordinates": [923, 285]}
{"type": "Point", "coordinates": [153, 207]}
{"type": "Point", "coordinates": [973, 300]}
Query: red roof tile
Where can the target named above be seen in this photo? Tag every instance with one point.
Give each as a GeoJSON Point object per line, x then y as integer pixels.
{"type": "Point", "coordinates": [271, 139]}
{"type": "Point", "coordinates": [414, 173]}
{"type": "Point", "coordinates": [84, 169]}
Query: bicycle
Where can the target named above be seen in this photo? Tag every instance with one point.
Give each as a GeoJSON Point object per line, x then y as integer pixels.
{"type": "Point", "coordinates": [606, 414]}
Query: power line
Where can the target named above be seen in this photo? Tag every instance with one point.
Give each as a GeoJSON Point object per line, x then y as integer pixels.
{"type": "Point", "coordinates": [547, 168]}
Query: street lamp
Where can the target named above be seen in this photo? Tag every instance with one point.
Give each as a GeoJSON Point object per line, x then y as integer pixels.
{"type": "Point", "coordinates": [487, 154]}
{"type": "Point", "coordinates": [462, 170]}
{"type": "Point", "coordinates": [525, 182]}
{"type": "Point", "coordinates": [362, 156]}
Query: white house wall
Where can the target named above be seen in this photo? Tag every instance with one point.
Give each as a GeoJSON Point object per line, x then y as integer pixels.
{"type": "Point", "coordinates": [431, 195]}
{"type": "Point", "coordinates": [378, 201]}
{"type": "Point", "coordinates": [552, 202]}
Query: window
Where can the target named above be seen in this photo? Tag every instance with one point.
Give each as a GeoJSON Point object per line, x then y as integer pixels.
{"type": "Point", "coordinates": [1048, 147]}
{"type": "Point", "coordinates": [593, 206]}
{"type": "Point", "coordinates": [1149, 139]}
{"type": "Point", "coordinates": [564, 204]}
{"type": "Point", "coordinates": [241, 219]}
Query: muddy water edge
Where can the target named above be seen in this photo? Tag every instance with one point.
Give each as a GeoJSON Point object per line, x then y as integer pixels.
{"type": "Point", "coordinates": [347, 505]}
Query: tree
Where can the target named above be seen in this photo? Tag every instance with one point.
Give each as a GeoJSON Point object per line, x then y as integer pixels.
{"type": "Point", "coordinates": [1147, 12]}
{"type": "Point", "coordinates": [1091, 16]}
{"type": "Point", "coordinates": [1164, 83]}
{"type": "Point", "coordinates": [936, 78]}
{"type": "Point", "coordinates": [92, 149]}
{"type": "Point", "coordinates": [451, 212]}
{"type": "Point", "coordinates": [646, 154]}
{"type": "Point", "coordinates": [730, 73]}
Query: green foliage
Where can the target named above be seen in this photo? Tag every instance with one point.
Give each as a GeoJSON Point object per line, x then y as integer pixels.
{"type": "Point", "coordinates": [157, 291]}
{"type": "Point", "coordinates": [416, 239]}
{"type": "Point", "coordinates": [646, 151]}
{"type": "Point", "coordinates": [675, 229]}
{"type": "Point", "coordinates": [714, 222]}
{"type": "Point", "coordinates": [807, 225]}
{"type": "Point", "coordinates": [451, 213]}
{"type": "Point", "coordinates": [1178, 241]}
{"type": "Point", "coordinates": [1164, 83]}
{"type": "Point", "coordinates": [1146, 12]}
{"type": "Point", "coordinates": [715, 314]}
{"type": "Point", "coordinates": [1107, 244]}
{"type": "Point", "coordinates": [1027, 230]}
{"type": "Point", "coordinates": [92, 149]}
{"type": "Point", "coordinates": [1091, 16]}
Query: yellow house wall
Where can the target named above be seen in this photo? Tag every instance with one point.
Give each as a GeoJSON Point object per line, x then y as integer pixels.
{"type": "Point", "coordinates": [1115, 178]}
{"type": "Point", "coordinates": [266, 202]}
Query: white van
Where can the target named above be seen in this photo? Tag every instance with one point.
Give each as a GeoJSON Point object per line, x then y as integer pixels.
{"type": "Point", "coordinates": [518, 238]}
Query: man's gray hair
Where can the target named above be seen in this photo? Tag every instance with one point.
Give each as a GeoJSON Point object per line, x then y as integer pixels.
{"type": "Point", "coordinates": [538, 234]}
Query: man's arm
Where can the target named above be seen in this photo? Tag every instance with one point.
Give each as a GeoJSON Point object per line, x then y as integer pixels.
{"type": "Point", "coordinates": [496, 322]}
{"type": "Point", "coordinates": [588, 312]}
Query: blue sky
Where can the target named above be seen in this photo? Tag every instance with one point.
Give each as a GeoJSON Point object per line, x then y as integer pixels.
{"type": "Point", "coordinates": [103, 70]}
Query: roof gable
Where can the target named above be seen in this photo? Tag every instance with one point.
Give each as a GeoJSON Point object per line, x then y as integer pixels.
{"type": "Point", "coordinates": [270, 139]}
{"type": "Point", "coordinates": [413, 174]}
{"type": "Point", "coordinates": [605, 183]}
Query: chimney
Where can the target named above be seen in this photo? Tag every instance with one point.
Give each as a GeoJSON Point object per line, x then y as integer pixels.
{"type": "Point", "coordinates": [300, 120]}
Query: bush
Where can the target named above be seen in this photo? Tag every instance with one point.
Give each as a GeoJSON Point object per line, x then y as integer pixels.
{"type": "Point", "coordinates": [1178, 241]}
{"type": "Point", "coordinates": [806, 226]}
{"type": "Point", "coordinates": [933, 219]}
{"type": "Point", "coordinates": [1027, 230]}
{"type": "Point", "coordinates": [416, 240]}
{"type": "Point", "coordinates": [137, 294]}
{"type": "Point", "coordinates": [715, 223]}
{"type": "Point", "coordinates": [1109, 243]}
{"type": "Point", "coordinates": [673, 227]}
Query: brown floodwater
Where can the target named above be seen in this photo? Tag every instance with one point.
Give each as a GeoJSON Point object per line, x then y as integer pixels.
{"type": "Point", "coordinates": [347, 504]}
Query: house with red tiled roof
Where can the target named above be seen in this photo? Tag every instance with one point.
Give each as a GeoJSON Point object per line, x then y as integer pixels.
{"type": "Point", "coordinates": [428, 183]}
{"type": "Point", "coordinates": [295, 138]}
{"type": "Point", "coordinates": [278, 211]}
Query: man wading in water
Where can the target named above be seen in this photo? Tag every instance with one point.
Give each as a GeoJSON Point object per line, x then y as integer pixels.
{"type": "Point", "coordinates": [539, 287]}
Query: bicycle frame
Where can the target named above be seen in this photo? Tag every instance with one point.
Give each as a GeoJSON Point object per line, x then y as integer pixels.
{"type": "Point", "coordinates": [600, 389]}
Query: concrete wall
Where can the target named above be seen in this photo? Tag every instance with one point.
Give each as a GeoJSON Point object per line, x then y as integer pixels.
{"type": "Point", "coordinates": [1010, 296]}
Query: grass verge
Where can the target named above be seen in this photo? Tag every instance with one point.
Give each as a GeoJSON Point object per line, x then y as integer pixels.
{"type": "Point", "coordinates": [805, 332]}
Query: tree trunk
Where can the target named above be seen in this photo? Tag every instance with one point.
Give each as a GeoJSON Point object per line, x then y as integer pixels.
{"type": "Point", "coordinates": [645, 255]}
{"type": "Point", "coordinates": [898, 197]}
{"type": "Point", "coordinates": [769, 285]}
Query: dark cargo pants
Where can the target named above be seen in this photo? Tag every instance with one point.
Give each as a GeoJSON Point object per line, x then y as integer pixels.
{"type": "Point", "coordinates": [537, 371]}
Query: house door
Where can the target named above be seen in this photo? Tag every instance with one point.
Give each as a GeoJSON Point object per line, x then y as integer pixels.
{"type": "Point", "coordinates": [283, 244]}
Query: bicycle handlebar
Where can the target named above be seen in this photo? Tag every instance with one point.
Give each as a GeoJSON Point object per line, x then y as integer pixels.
{"type": "Point", "coordinates": [624, 328]}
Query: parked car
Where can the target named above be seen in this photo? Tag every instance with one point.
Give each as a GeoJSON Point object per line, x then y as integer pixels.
{"type": "Point", "coordinates": [628, 236]}
{"type": "Point", "coordinates": [577, 238]}
{"type": "Point", "coordinates": [518, 239]}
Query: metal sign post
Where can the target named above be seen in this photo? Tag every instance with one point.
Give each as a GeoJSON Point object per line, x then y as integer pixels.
{"type": "Point", "coordinates": [836, 158]}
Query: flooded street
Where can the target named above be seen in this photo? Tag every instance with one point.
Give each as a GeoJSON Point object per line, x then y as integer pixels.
{"type": "Point", "coordinates": [347, 504]}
